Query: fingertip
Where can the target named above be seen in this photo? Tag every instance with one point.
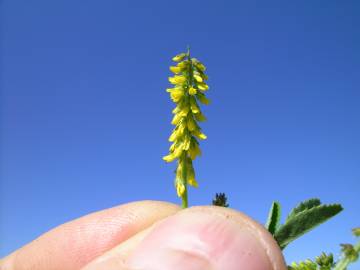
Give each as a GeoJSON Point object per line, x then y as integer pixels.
{"type": "Point", "coordinates": [208, 237]}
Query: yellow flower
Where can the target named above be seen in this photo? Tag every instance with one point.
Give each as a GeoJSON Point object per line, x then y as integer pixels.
{"type": "Point", "coordinates": [199, 134]}
{"type": "Point", "coordinates": [177, 79]}
{"type": "Point", "coordinates": [198, 78]}
{"type": "Point", "coordinates": [176, 119]}
{"type": "Point", "coordinates": [201, 97]}
{"type": "Point", "coordinates": [172, 147]}
{"type": "Point", "coordinates": [173, 135]}
{"type": "Point", "coordinates": [200, 117]}
{"type": "Point", "coordinates": [191, 174]}
{"type": "Point", "coordinates": [184, 111]}
{"type": "Point", "coordinates": [186, 143]}
{"type": "Point", "coordinates": [192, 91]}
{"type": "Point", "coordinates": [203, 86]}
{"type": "Point", "coordinates": [193, 105]}
{"type": "Point", "coordinates": [200, 66]}
{"type": "Point", "coordinates": [194, 150]}
{"type": "Point", "coordinates": [179, 57]}
{"type": "Point", "coordinates": [169, 158]}
{"type": "Point", "coordinates": [204, 76]}
{"type": "Point", "coordinates": [191, 124]}
{"type": "Point", "coordinates": [176, 94]}
{"type": "Point", "coordinates": [180, 189]}
{"type": "Point", "coordinates": [175, 70]}
{"type": "Point", "coordinates": [183, 64]}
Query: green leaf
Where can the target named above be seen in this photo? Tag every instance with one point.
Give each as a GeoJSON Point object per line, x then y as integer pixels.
{"type": "Point", "coordinates": [305, 205]}
{"type": "Point", "coordinates": [273, 220]}
{"type": "Point", "coordinates": [303, 221]}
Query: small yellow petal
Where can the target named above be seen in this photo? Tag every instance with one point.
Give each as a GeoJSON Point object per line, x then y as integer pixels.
{"type": "Point", "coordinates": [200, 117]}
{"type": "Point", "coordinates": [203, 86]}
{"type": "Point", "coordinates": [199, 134]}
{"type": "Point", "coordinates": [194, 150]}
{"type": "Point", "coordinates": [192, 91]}
{"type": "Point", "coordinates": [191, 124]}
{"type": "Point", "coordinates": [203, 99]}
{"type": "Point", "coordinates": [169, 158]}
{"type": "Point", "coordinates": [184, 111]}
{"type": "Point", "coordinates": [182, 65]}
{"type": "Point", "coordinates": [192, 182]}
{"type": "Point", "coordinates": [173, 136]}
{"type": "Point", "coordinates": [177, 94]}
{"type": "Point", "coordinates": [186, 144]}
{"type": "Point", "coordinates": [175, 70]}
{"type": "Point", "coordinates": [180, 189]}
{"type": "Point", "coordinates": [172, 147]}
{"type": "Point", "coordinates": [176, 119]}
{"type": "Point", "coordinates": [179, 57]}
{"type": "Point", "coordinates": [198, 78]}
{"type": "Point", "coordinates": [193, 105]}
{"type": "Point", "coordinates": [177, 79]}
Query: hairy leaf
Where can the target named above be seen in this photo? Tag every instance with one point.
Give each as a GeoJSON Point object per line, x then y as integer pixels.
{"type": "Point", "coordinates": [304, 221]}
{"type": "Point", "coordinates": [273, 220]}
{"type": "Point", "coordinates": [305, 205]}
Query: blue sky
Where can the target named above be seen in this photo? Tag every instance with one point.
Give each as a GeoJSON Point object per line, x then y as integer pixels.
{"type": "Point", "coordinates": [85, 117]}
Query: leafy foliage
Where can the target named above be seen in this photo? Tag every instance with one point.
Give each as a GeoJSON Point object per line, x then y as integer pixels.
{"type": "Point", "coordinates": [273, 220]}
{"type": "Point", "coordinates": [303, 218]}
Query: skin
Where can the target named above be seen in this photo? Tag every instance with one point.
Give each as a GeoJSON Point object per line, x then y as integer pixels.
{"type": "Point", "coordinates": [152, 235]}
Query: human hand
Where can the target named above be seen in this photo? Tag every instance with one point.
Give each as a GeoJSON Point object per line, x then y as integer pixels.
{"type": "Point", "coordinates": [150, 235]}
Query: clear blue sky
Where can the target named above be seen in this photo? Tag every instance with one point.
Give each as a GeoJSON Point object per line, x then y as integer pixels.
{"type": "Point", "coordinates": [85, 117]}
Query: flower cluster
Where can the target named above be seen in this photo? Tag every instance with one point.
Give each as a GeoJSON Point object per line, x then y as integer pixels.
{"type": "Point", "coordinates": [187, 93]}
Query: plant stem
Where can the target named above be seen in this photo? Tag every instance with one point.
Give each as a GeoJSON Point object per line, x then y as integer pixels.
{"type": "Point", "coordinates": [345, 261]}
{"type": "Point", "coordinates": [184, 197]}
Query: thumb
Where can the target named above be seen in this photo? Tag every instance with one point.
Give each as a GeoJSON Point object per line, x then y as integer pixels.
{"type": "Point", "coordinates": [202, 238]}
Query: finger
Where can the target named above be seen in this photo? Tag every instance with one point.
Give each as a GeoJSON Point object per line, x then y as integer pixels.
{"type": "Point", "coordinates": [74, 244]}
{"type": "Point", "coordinates": [198, 238]}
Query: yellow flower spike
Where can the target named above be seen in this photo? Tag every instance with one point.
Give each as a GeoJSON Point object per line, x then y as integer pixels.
{"type": "Point", "coordinates": [175, 70]}
{"type": "Point", "coordinates": [179, 57]}
{"type": "Point", "coordinates": [203, 86]}
{"type": "Point", "coordinates": [189, 82]}
{"type": "Point", "coordinates": [198, 78]}
{"type": "Point", "coordinates": [192, 91]}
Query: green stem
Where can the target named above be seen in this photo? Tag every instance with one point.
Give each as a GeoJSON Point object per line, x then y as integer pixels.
{"type": "Point", "coordinates": [345, 261]}
{"type": "Point", "coordinates": [184, 197]}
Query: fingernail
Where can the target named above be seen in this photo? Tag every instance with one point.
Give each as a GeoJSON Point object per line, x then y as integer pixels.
{"type": "Point", "coordinates": [200, 241]}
